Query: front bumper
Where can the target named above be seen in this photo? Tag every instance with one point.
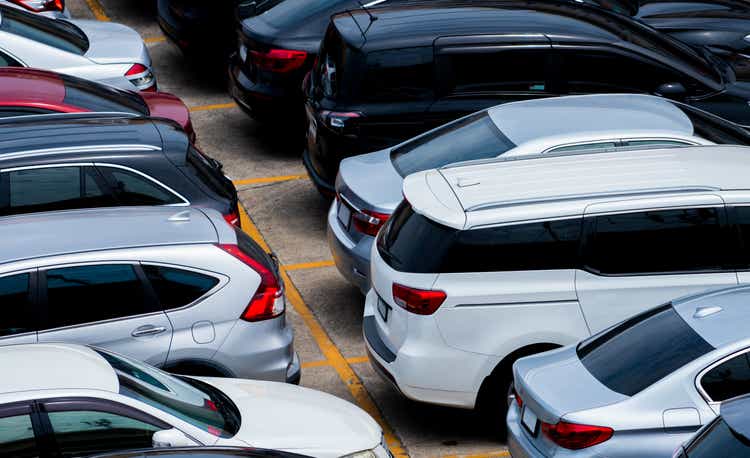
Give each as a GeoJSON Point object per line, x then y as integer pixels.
{"type": "Point", "coordinates": [352, 258]}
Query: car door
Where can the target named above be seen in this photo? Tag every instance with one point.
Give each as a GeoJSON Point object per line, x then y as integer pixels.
{"type": "Point", "coordinates": [19, 320]}
{"type": "Point", "coordinates": [641, 253]}
{"type": "Point", "coordinates": [18, 431]}
{"type": "Point", "coordinates": [477, 72]}
{"type": "Point", "coordinates": [107, 305]}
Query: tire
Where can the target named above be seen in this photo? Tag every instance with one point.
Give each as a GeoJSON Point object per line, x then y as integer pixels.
{"type": "Point", "coordinates": [494, 402]}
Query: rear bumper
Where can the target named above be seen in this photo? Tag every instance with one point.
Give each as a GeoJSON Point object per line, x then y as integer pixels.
{"type": "Point", "coordinates": [352, 258]}
{"type": "Point", "coordinates": [263, 102]}
{"type": "Point", "coordinates": [324, 187]}
{"type": "Point", "coordinates": [519, 445]}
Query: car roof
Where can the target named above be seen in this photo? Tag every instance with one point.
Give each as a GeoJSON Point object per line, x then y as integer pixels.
{"type": "Point", "coordinates": [56, 366]}
{"type": "Point", "coordinates": [564, 184]}
{"type": "Point", "coordinates": [19, 85]}
{"type": "Point", "coordinates": [608, 115]}
{"type": "Point", "coordinates": [736, 414]}
{"type": "Point", "coordinates": [719, 316]}
{"type": "Point", "coordinates": [75, 231]}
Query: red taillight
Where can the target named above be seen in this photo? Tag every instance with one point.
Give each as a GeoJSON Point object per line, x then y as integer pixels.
{"type": "Point", "coordinates": [141, 77]}
{"type": "Point", "coordinates": [519, 401]}
{"type": "Point", "coordinates": [419, 301]}
{"type": "Point", "coordinates": [279, 60]}
{"type": "Point", "coordinates": [38, 6]}
{"type": "Point", "coordinates": [369, 222]}
{"type": "Point", "coordinates": [264, 304]}
{"type": "Point", "coordinates": [136, 69]}
{"type": "Point", "coordinates": [232, 218]}
{"type": "Point", "coordinates": [575, 437]}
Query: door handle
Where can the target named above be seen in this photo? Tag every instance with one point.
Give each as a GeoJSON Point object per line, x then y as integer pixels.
{"type": "Point", "coordinates": [148, 330]}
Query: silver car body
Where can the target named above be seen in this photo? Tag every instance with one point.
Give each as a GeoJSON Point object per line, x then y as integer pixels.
{"type": "Point", "coordinates": [370, 181]}
{"type": "Point", "coordinates": [556, 386]}
{"type": "Point", "coordinates": [207, 332]}
{"type": "Point", "coordinates": [113, 50]}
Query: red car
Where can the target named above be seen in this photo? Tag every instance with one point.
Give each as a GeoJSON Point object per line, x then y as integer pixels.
{"type": "Point", "coordinates": [25, 91]}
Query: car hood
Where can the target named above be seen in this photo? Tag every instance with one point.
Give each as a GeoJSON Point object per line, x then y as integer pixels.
{"type": "Point", "coordinates": [370, 181]}
{"type": "Point", "coordinates": [283, 416]}
{"type": "Point", "coordinates": [111, 43]}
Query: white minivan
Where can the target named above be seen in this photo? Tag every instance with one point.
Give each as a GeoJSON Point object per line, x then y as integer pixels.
{"type": "Point", "coordinates": [483, 264]}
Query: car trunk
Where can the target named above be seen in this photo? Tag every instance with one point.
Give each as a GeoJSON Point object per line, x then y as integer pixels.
{"type": "Point", "coordinates": [164, 105]}
{"type": "Point", "coordinates": [111, 43]}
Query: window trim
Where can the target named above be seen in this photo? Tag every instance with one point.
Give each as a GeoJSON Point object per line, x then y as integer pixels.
{"type": "Point", "coordinates": [223, 281]}
{"type": "Point", "coordinates": [14, 57]}
{"type": "Point", "coordinates": [34, 299]}
{"type": "Point", "coordinates": [699, 385]}
{"type": "Point", "coordinates": [185, 202]}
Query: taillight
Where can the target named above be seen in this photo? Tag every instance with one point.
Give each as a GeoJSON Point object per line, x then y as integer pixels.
{"type": "Point", "coordinates": [339, 120]}
{"type": "Point", "coordinates": [232, 218]}
{"type": "Point", "coordinates": [369, 222]}
{"type": "Point", "coordinates": [38, 6]}
{"type": "Point", "coordinates": [141, 77]}
{"type": "Point", "coordinates": [264, 304]}
{"type": "Point", "coordinates": [419, 301]}
{"type": "Point", "coordinates": [575, 437]}
{"type": "Point", "coordinates": [519, 401]}
{"type": "Point", "coordinates": [278, 60]}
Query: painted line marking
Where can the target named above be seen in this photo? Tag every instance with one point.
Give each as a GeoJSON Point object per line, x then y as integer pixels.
{"type": "Point", "coordinates": [152, 40]}
{"type": "Point", "coordinates": [321, 363]}
{"type": "Point", "coordinates": [216, 106]}
{"type": "Point", "coordinates": [327, 347]}
{"type": "Point", "coordinates": [308, 265]}
{"type": "Point", "coordinates": [500, 453]}
{"type": "Point", "coordinates": [96, 7]}
{"type": "Point", "coordinates": [268, 179]}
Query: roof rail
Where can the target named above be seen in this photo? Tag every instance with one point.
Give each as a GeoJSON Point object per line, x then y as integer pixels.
{"type": "Point", "coordinates": [66, 116]}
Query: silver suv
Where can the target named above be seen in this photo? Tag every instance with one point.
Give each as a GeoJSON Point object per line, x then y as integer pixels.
{"type": "Point", "coordinates": [178, 288]}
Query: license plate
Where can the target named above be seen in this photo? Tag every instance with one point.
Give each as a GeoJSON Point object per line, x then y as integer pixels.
{"type": "Point", "coordinates": [344, 214]}
{"type": "Point", "coordinates": [383, 309]}
{"type": "Point", "coordinates": [529, 420]}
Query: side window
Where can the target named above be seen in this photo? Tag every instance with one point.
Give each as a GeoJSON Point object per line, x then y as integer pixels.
{"type": "Point", "coordinates": [399, 74]}
{"type": "Point", "coordinates": [176, 287]}
{"type": "Point", "coordinates": [133, 189]}
{"type": "Point", "coordinates": [17, 316]}
{"type": "Point", "coordinates": [86, 294]}
{"type": "Point", "coordinates": [662, 241]}
{"type": "Point", "coordinates": [84, 432]}
{"type": "Point", "coordinates": [517, 71]}
{"type": "Point", "coordinates": [53, 188]}
{"type": "Point", "coordinates": [741, 217]}
{"type": "Point", "coordinates": [728, 380]}
{"type": "Point", "coordinates": [17, 437]}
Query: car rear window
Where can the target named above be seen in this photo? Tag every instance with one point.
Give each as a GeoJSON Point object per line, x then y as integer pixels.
{"type": "Point", "coordinates": [640, 351]}
{"type": "Point", "coordinates": [471, 138]}
{"type": "Point", "coordinates": [57, 33]}
{"type": "Point", "coordinates": [99, 97]}
{"type": "Point", "coordinates": [209, 172]}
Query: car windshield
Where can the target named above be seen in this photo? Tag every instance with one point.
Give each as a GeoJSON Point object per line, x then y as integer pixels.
{"type": "Point", "coordinates": [57, 33]}
{"type": "Point", "coordinates": [642, 350]}
{"type": "Point", "coordinates": [190, 400]}
{"type": "Point", "coordinates": [471, 138]}
{"type": "Point", "coordinates": [102, 98]}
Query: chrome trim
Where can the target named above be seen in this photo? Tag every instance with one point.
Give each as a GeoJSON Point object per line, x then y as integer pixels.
{"type": "Point", "coordinates": [349, 203]}
{"type": "Point", "coordinates": [703, 372]}
{"type": "Point", "coordinates": [79, 149]}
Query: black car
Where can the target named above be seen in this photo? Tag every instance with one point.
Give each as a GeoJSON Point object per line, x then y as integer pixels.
{"type": "Point", "coordinates": [63, 162]}
{"type": "Point", "coordinates": [726, 436]}
{"type": "Point", "coordinates": [201, 452]}
{"type": "Point", "coordinates": [389, 73]}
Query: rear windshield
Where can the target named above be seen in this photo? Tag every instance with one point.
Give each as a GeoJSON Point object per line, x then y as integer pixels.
{"type": "Point", "coordinates": [248, 246]}
{"type": "Point", "coordinates": [57, 33]}
{"type": "Point", "coordinates": [642, 350]}
{"type": "Point", "coordinates": [209, 172]}
{"type": "Point", "coordinates": [714, 128]}
{"type": "Point", "coordinates": [471, 138]}
{"type": "Point", "coordinates": [99, 97]}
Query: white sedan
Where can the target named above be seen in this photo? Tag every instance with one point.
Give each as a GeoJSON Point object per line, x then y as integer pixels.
{"type": "Point", "coordinates": [72, 400]}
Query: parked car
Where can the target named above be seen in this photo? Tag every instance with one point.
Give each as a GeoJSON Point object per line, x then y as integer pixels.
{"type": "Point", "coordinates": [25, 91]}
{"type": "Point", "coordinates": [727, 435]}
{"type": "Point", "coordinates": [101, 51]}
{"type": "Point", "coordinates": [484, 264]}
{"type": "Point", "coordinates": [640, 388]}
{"type": "Point", "coordinates": [201, 452]}
{"type": "Point", "coordinates": [85, 400]}
{"type": "Point", "coordinates": [88, 160]}
{"type": "Point", "coordinates": [421, 65]}
{"type": "Point", "coordinates": [368, 187]}
{"type": "Point", "coordinates": [178, 288]}
{"type": "Point", "coordinates": [50, 8]}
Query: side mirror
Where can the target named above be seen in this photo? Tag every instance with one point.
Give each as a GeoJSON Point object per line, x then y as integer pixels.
{"type": "Point", "coordinates": [171, 438]}
{"type": "Point", "coordinates": [246, 9]}
{"type": "Point", "coordinates": [671, 90]}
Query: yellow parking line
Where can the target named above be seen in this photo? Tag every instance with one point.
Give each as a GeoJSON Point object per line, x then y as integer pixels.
{"type": "Point", "coordinates": [216, 106]}
{"type": "Point", "coordinates": [308, 265]}
{"type": "Point", "coordinates": [329, 349]}
{"type": "Point", "coordinates": [151, 40]}
{"type": "Point", "coordinates": [96, 7]}
{"type": "Point", "coordinates": [268, 179]}
{"type": "Point", "coordinates": [321, 363]}
{"type": "Point", "coordinates": [500, 453]}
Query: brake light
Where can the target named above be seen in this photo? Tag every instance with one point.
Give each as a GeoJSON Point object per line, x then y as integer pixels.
{"type": "Point", "coordinates": [339, 119]}
{"type": "Point", "coordinates": [519, 401]}
{"type": "Point", "coordinates": [279, 60]}
{"type": "Point", "coordinates": [264, 304]}
{"type": "Point", "coordinates": [233, 218]}
{"type": "Point", "coordinates": [576, 437]}
{"type": "Point", "coordinates": [369, 222]}
{"type": "Point", "coordinates": [38, 6]}
{"type": "Point", "coordinates": [419, 301]}
{"type": "Point", "coordinates": [141, 77]}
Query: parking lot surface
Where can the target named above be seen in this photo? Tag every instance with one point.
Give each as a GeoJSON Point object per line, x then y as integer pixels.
{"type": "Point", "coordinates": [287, 213]}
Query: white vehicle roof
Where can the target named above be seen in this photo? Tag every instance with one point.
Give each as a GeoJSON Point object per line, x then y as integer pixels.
{"type": "Point", "coordinates": [54, 366]}
{"type": "Point", "coordinates": [472, 195]}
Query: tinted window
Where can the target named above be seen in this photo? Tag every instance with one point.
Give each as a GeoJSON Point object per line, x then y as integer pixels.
{"type": "Point", "coordinates": [87, 294]}
{"type": "Point", "coordinates": [535, 246]}
{"type": "Point", "coordinates": [209, 173]}
{"type": "Point", "coordinates": [176, 287]}
{"type": "Point", "coordinates": [99, 97]}
{"type": "Point", "coordinates": [729, 379]}
{"type": "Point", "coordinates": [17, 315]}
{"type": "Point", "coordinates": [134, 189]}
{"type": "Point", "coordinates": [17, 437]}
{"type": "Point", "coordinates": [53, 188]}
{"type": "Point", "coordinates": [658, 242]}
{"type": "Point", "coordinates": [476, 137]}
{"type": "Point", "coordinates": [83, 432]}
{"type": "Point", "coordinates": [398, 75]}
{"type": "Point", "coordinates": [642, 350]}
{"type": "Point", "coordinates": [59, 34]}
{"type": "Point", "coordinates": [717, 441]}
{"type": "Point", "coordinates": [741, 216]}
{"type": "Point", "coordinates": [7, 61]}
{"type": "Point", "coordinates": [523, 71]}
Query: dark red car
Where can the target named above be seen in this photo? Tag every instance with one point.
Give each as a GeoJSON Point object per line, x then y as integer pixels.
{"type": "Point", "coordinates": [25, 91]}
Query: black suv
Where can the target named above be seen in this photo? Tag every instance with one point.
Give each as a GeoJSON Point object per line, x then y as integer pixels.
{"type": "Point", "coordinates": [63, 162]}
{"type": "Point", "coordinates": [388, 73]}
